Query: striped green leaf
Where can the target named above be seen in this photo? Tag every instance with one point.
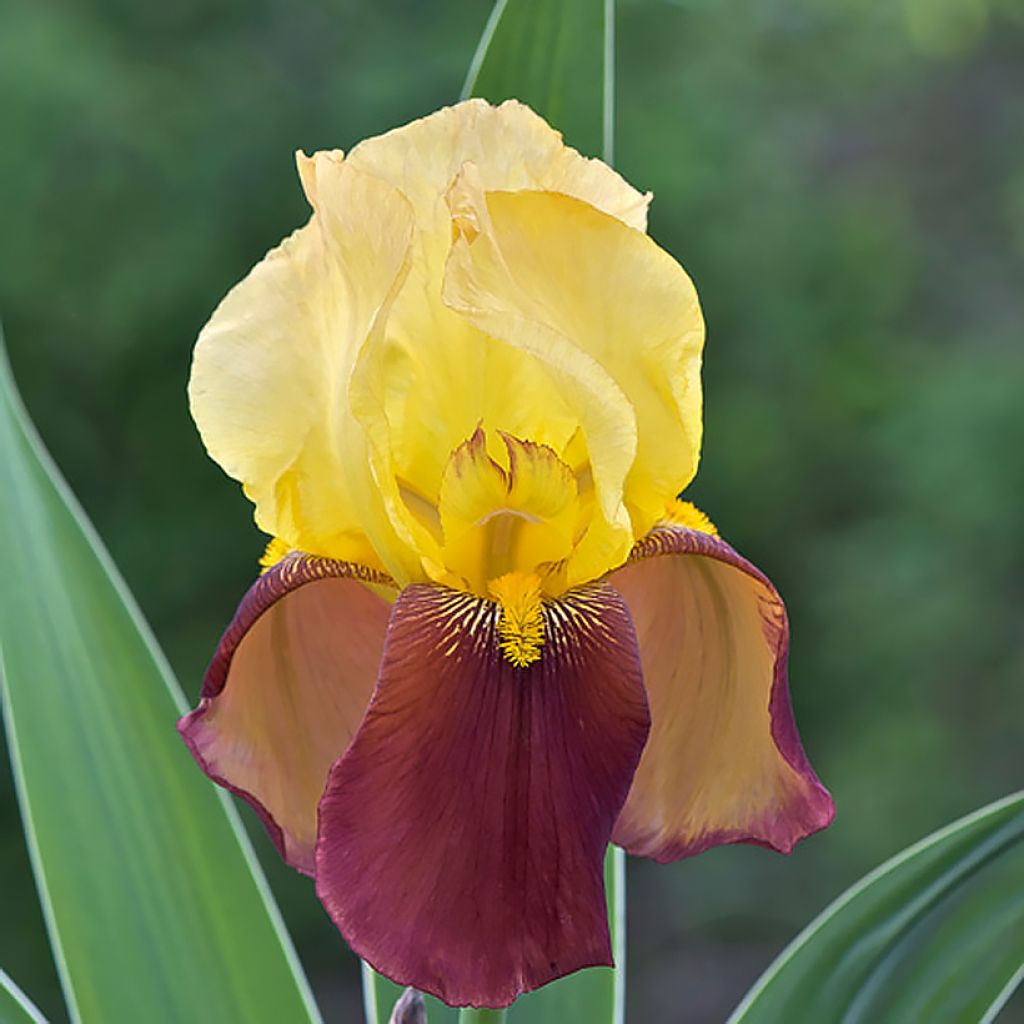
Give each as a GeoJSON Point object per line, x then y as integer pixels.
{"type": "Point", "coordinates": [936, 934]}
{"type": "Point", "coordinates": [15, 1006]}
{"type": "Point", "coordinates": [156, 909]}
{"type": "Point", "coordinates": [558, 58]}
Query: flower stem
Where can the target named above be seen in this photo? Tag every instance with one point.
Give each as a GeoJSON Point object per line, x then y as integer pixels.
{"type": "Point", "coordinates": [468, 1015]}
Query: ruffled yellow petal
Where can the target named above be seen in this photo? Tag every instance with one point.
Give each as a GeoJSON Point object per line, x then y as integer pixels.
{"type": "Point", "coordinates": [271, 368]}
{"type": "Point", "coordinates": [513, 147]}
{"type": "Point", "coordinates": [434, 377]}
{"type": "Point", "coordinates": [467, 273]}
{"type": "Point", "coordinates": [616, 322]}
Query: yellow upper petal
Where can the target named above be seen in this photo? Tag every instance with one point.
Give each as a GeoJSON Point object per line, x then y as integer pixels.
{"type": "Point", "coordinates": [465, 275]}
{"type": "Point", "coordinates": [433, 377]}
{"type": "Point", "coordinates": [613, 317]}
{"type": "Point", "coordinates": [271, 369]}
{"type": "Point", "coordinates": [513, 147]}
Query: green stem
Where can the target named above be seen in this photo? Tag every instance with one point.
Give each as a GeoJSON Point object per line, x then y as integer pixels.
{"type": "Point", "coordinates": [471, 1016]}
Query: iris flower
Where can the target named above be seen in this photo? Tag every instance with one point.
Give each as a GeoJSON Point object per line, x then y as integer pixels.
{"type": "Point", "coordinates": [488, 638]}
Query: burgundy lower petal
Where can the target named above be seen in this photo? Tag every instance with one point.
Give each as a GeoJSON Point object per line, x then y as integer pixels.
{"type": "Point", "coordinates": [724, 763]}
{"type": "Point", "coordinates": [286, 690]}
{"type": "Point", "coordinates": [463, 832]}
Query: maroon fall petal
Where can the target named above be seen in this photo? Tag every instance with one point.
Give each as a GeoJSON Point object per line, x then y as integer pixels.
{"type": "Point", "coordinates": [724, 763]}
{"type": "Point", "coordinates": [286, 690]}
{"type": "Point", "coordinates": [463, 832]}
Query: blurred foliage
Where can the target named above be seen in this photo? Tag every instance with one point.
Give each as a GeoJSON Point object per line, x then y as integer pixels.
{"type": "Point", "coordinates": [845, 182]}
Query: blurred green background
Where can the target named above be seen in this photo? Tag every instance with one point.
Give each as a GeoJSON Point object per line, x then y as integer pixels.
{"type": "Point", "coordinates": [844, 180]}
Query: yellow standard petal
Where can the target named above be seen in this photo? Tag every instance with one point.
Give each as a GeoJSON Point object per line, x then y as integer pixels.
{"type": "Point", "coordinates": [613, 318]}
{"type": "Point", "coordinates": [513, 147]}
{"type": "Point", "coordinates": [270, 373]}
{"type": "Point", "coordinates": [471, 365]}
{"type": "Point", "coordinates": [425, 385]}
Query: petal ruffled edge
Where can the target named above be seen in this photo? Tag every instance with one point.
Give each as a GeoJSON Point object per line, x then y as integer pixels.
{"type": "Point", "coordinates": [514, 147]}
{"type": "Point", "coordinates": [274, 650]}
{"type": "Point", "coordinates": [758, 786]}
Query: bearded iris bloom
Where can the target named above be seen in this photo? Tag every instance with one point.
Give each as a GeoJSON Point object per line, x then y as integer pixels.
{"type": "Point", "coordinates": [488, 638]}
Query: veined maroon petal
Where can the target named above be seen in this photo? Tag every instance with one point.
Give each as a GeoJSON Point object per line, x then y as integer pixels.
{"type": "Point", "coordinates": [724, 763]}
{"type": "Point", "coordinates": [462, 834]}
{"type": "Point", "coordinates": [286, 690]}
